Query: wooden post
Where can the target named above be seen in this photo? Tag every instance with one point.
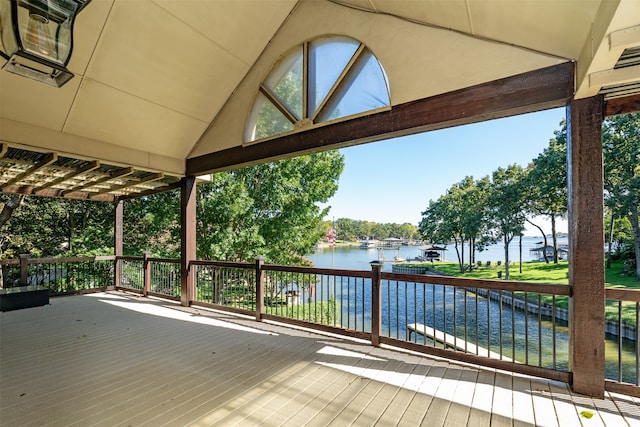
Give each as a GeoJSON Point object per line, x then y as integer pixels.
{"type": "Point", "coordinates": [376, 302]}
{"type": "Point", "coordinates": [259, 288]}
{"type": "Point", "coordinates": [187, 238]}
{"type": "Point", "coordinates": [118, 222]}
{"type": "Point", "coordinates": [147, 274]}
{"type": "Point", "coordinates": [586, 245]}
{"type": "Point", "coordinates": [24, 269]}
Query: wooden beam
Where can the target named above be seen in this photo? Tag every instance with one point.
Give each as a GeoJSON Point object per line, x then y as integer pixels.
{"type": "Point", "coordinates": [187, 239]}
{"type": "Point", "coordinates": [151, 192]}
{"type": "Point", "coordinates": [87, 168]}
{"type": "Point", "coordinates": [586, 245]}
{"type": "Point", "coordinates": [30, 191]}
{"type": "Point", "coordinates": [626, 105]}
{"type": "Point", "coordinates": [121, 174]}
{"type": "Point", "coordinates": [615, 77]}
{"type": "Point", "coordinates": [118, 232]}
{"type": "Point", "coordinates": [43, 163]}
{"type": "Point", "coordinates": [153, 177]}
{"type": "Point", "coordinates": [3, 149]}
{"type": "Point", "coordinates": [533, 91]}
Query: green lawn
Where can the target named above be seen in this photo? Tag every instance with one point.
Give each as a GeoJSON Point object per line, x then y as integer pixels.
{"type": "Point", "coordinates": [541, 272]}
{"type": "Point", "coordinates": [536, 271]}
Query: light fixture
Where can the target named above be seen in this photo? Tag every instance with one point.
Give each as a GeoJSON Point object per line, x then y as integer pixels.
{"type": "Point", "coordinates": [37, 38]}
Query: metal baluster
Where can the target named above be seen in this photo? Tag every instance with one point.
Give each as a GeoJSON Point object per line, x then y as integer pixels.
{"type": "Point", "coordinates": [488, 321]}
{"type": "Point", "coordinates": [466, 324]}
{"type": "Point", "coordinates": [415, 309]}
{"type": "Point", "coordinates": [477, 321]}
{"type": "Point", "coordinates": [433, 302]}
{"type": "Point", "coordinates": [500, 321]}
{"type": "Point", "coordinates": [539, 330]}
{"type": "Point", "coordinates": [397, 308]}
{"type": "Point", "coordinates": [455, 318]}
{"type": "Point", "coordinates": [637, 343]}
{"type": "Point", "coordinates": [444, 315]}
{"type": "Point", "coordinates": [513, 325]}
{"type": "Point", "coordinates": [553, 323]}
{"type": "Point", "coordinates": [619, 340]}
{"type": "Point", "coordinates": [526, 328]}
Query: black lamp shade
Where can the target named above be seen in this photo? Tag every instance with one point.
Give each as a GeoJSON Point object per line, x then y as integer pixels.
{"type": "Point", "coordinates": [37, 38]}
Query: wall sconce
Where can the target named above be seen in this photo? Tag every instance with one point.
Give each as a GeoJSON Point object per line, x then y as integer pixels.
{"type": "Point", "coordinates": [37, 38]}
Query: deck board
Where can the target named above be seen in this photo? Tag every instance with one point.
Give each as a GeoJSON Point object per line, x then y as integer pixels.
{"type": "Point", "coordinates": [118, 359]}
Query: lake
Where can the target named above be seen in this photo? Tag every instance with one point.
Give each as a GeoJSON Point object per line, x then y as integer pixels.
{"type": "Point", "coordinates": [359, 259]}
{"type": "Point", "coordinates": [395, 318]}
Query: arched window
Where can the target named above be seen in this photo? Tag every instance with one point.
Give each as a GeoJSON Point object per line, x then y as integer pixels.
{"type": "Point", "coordinates": [325, 79]}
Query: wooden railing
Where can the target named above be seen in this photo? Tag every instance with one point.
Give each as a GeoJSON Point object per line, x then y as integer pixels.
{"type": "Point", "coordinates": [478, 316]}
{"type": "Point", "coordinates": [623, 305]}
{"type": "Point", "coordinates": [149, 276]}
{"type": "Point", "coordinates": [516, 326]}
{"type": "Point", "coordinates": [62, 276]}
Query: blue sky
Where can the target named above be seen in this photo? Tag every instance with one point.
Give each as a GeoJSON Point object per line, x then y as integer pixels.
{"type": "Point", "coordinates": [393, 181]}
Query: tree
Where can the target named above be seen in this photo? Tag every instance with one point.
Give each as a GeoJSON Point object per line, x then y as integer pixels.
{"type": "Point", "coordinates": [474, 215]}
{"type": "Point", "coordinates": [505, 205]}
{"type": "Point", "coordinates": [545, 184]}
{"type": "Point", "coordinates": [152, 223]}
{"type": "Point", "coordinates": [268, 209]}
{"type": "Point", "coordinates": [621, 150]}
{"type": "Point", "coordinates": [449, 219]}
{"type": "Point", "coordinates": [47, 227]}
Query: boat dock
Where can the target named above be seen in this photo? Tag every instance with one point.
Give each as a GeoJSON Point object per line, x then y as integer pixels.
{"type": "Point", "coordinates": [451, 341]}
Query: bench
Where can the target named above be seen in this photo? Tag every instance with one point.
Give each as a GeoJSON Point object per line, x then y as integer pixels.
{"type": "Point", "coordinates": [23, 297]}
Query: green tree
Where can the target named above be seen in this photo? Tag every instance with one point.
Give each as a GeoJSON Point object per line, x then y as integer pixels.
{"type": "Point", "coordinates": [506, 204]}
{"type": "Point", "coordinates": [621, 150]}
{"type": "Point", "coordinates": [48, 227]}
{"type": "Point", "coordinates": [269, 210]}
{"type": "Point", "coordinates": [545, 184]}
{"type": "Point", "coordinates": [442, 222]}
{"type": "Point", "coordinates": [152, 223]}
{"type": "Point", "coordinates": [475, 196]}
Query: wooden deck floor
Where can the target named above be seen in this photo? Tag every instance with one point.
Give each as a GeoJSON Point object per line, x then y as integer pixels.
{"type": "Point", "coordinates": [117, 359]}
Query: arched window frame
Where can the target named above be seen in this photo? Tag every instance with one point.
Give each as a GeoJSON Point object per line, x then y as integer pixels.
{"type": "Point", "coordinates": [310, 119]}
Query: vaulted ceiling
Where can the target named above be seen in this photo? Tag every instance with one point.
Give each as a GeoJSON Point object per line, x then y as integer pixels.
{"type": "Point", "coordinates": [158, 82]}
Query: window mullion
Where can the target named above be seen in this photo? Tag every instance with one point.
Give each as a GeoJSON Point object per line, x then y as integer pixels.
{"type": "Point", "coordinates": [305, 80]}
{"type": "Point", "coordinates": [278, 104]}
{"type": "Point", "coordinates": [339, 81]}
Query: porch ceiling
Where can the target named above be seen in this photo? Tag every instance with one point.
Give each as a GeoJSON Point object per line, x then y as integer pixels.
{"type": "Point", "coordinates": [160, 81]}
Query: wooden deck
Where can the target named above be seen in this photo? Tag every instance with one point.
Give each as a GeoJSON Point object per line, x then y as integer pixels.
{"type": "Point", "coordinates": [116, 359]}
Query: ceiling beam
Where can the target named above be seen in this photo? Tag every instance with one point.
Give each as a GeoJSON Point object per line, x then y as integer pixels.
{"type": "Point", "coordinates": [121, 174]}
{"type": "Point", "coordinates": [626, 38]}
{"type": "Point", "coordinates": [615, 77]}
{"type": "Point", "coordinates": [3, 149]}
{"type": "Point", "coordinates": [524, 93]}
{"type": "Point", "coordinates": [43, 163]}
{"type": "Point", "coordinates": [151, 192]}
{"type": "Point", "coordinates": [626, 105]}
{"type": "Point", "coordinates": [150, 178]}
{"type": "Point", "coordinates": [93, 165]}
{"type": "Point", "coordinates": [51, 192]}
